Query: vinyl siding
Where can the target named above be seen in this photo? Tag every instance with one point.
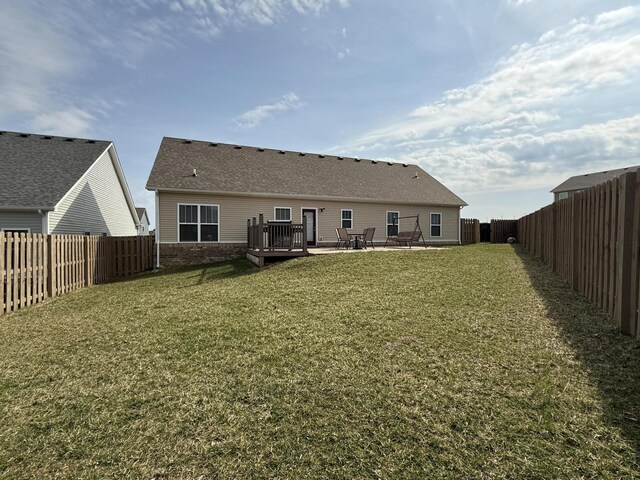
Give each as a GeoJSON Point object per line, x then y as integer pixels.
{"type": "Point", "coordinates": [97, 205]}
{"type": "Point", "coordinates": [30, 220]}
{"type": "Point", "coordinates": [235, 210]}
{"type": "Point", "coordinates": [144, 226]}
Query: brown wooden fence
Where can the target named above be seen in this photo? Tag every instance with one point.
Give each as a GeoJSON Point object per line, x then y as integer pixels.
{"type": "Point", "coordinates": [469, 231]}
{"type": "Point", "coordinates": [34, 267]}
{"type": "Point", "coordinates": [591, 240]}
{"type": "Point", "coordinates": [501, 230]}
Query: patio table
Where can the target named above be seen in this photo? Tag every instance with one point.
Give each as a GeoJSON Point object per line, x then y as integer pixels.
{"type": "Point", "coordinates": [357, 240]}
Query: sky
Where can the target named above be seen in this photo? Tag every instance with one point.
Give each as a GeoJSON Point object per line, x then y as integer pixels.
{"type": "Point", "coordinates": [501, 100]}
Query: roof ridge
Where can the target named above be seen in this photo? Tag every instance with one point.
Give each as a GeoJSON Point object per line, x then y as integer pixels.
{"type": "Point", "coordinates": [50, 136]}
{"type": "Point", "coordinates": [238, 146]}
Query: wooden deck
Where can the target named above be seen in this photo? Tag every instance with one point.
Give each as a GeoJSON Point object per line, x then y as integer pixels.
{"type": "Point", "coordinates": [275, 240]}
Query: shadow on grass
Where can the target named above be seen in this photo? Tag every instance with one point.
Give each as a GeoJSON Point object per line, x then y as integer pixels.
{"type": "Point", "coordinates": [610, 358]}
{"type": "Point", "coordinates": [206, 273]}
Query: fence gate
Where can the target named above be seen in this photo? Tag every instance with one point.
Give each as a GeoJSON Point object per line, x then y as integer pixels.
{"type": "Point", "coordinates": [485, 232]}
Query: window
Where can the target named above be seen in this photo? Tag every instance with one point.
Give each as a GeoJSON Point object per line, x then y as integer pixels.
{"type": "Point", "coordinates": [563, 195]}
{"type": "Point", "coordinates": [436, 224]}
{"type": "Point", "coordinates": [15, 230]}
{"type": "Point", "coordinates": [346, 217]}
{"type": "Point", "coordinates": [393, 223]}
{"type": "Point", "coordinates": [282, 214]}
{"type": "Point", "coordinates": [198, 223]}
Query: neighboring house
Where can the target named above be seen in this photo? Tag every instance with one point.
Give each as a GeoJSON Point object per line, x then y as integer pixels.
{"type": "Point", "coordinates": [578, 183]}
{"type": "Point", "coordinates": [143, 219]}
{"type": "Point", "coordinates": [63, 185]}
{"type": "Point", "coordinates": [206, 192]}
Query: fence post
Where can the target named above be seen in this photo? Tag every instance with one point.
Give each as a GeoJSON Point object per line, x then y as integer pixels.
{"type": "Point", "coordinates": [87, 282]}
{"type": "Point", "coordinates": [304, 236]}
{"type": "Point", "coordinates": [51, 266]}
{"type": "Point", "coordinates": [624, 247]}
{"type": "Point", "coordinates": [575, 240]}
{"type": "Point", "coordinates": [2, 274]}
{"type": "Point", "coordinates": [261, 232]}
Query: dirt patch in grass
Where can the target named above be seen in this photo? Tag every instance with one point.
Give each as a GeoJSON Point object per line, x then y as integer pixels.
{"type": "Point", "coordinates": [471, 362]}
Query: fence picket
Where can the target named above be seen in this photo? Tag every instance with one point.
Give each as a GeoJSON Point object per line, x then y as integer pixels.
{"type": "Point", "coordinates": [34, 267]}
{"type": "Point", "coordinates": [591, 240]}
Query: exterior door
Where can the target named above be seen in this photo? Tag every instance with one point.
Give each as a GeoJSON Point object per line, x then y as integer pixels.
{"type": "Point", "coordinates": [309, 219]}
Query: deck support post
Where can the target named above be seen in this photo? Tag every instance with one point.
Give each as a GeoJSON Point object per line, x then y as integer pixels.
{"type": "Point", "coordinates": [261, 233]}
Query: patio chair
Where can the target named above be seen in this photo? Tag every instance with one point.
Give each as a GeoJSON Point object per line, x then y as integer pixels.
{"type": "Point", "coordinates": [343, 238]}
{"type": "Point", "coordinates": [367, 236]}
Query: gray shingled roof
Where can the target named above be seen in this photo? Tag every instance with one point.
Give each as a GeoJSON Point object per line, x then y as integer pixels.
{"type": "Point", "coordinates": [140, 211]}
{"type": "Point", "coordinates": [38, 170]}
{"type": "Point", "coordinates": [241, 169]}
{"type": "Point", "coordinates": [580, 182]}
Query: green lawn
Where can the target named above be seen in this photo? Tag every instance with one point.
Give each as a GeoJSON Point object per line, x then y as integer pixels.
{"type": "Point", "coordinates": [470, 362]}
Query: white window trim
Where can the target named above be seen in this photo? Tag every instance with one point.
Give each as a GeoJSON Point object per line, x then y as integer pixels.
{"type": "Point", "coordinates": [435, 224]}
{"type": "Point", "coordinates": [16, 229]}
{"type": "Point", "coordinates": [282, 208]}
{"type": "Point", "coordinates": [386, 221]}
{"type": "Point", "coordinates": [342, 219]}
{"type": "Point", "coordinates": [198, 205]}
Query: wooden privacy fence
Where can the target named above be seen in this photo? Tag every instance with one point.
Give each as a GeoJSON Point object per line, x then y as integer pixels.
{"type": "Point", "coordinates": [591, 240]}
{"type": "Point", "coordinates": [34, 267]}
{"type": "Point", "coordinates": [469, 231]}
{"type": "Point", "coordinates": [503, 229]}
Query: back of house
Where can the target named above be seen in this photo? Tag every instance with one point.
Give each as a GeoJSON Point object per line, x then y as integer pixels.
{"type": "Point", "coordinates": [63, 185]}
{"type": "Point", "coordinates": [206, 192]}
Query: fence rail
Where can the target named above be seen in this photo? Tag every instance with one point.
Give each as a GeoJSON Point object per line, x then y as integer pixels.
{"type": "Point", "coordinates": [469, 231]}
{"type": "Point", "coordinates": [34, 267]}
{"type": "Point", "coordinates": [591, 240]}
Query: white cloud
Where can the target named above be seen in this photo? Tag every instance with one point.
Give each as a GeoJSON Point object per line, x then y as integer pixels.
{"type": "Point", "coordinates": [29, 62]}
{"type": "Point", "coordinates": [532, 77]}
{"type": "Point", "coordinates": [525, 123]}
{"type": "Point", "coordinates": [72, 122]}
{"type": "Point", "coordinates": [343, 53]}
{"type": "Point", "coordinates": [176, 7]}
{"type": "Point", "coordinates": [532, 160]}
{"type": "Point", "coordinates": [519, 3]}
{"type": "Point", "coordinates": [223, 13]}
{"type": "Point", "coordinates": [258, 114]}
{"type": "Point", "coordinates": [39, 73]}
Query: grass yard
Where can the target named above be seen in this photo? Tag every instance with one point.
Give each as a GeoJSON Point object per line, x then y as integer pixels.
{"type": "Point", "coordinates": [471, 362]}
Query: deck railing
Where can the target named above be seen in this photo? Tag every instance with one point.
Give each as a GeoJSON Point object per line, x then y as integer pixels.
{"type": "Point", "coordinates": [275, 236]}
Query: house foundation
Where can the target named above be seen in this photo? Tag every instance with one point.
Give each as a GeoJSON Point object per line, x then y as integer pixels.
{"type": "Point", "coordinates": [183, 254]}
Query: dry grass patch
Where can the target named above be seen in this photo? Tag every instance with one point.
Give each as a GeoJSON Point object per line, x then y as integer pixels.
{"type": "Point", "coordinates": [472, 362]}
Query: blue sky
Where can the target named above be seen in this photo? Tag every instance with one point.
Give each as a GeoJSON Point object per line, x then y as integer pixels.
{"type": "Point", "coordinates": [500, 100]}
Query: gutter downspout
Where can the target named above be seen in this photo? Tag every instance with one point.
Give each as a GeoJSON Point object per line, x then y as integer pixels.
{"type": "Point", "coordinates": [157, 230]}
{"type": "Point", "coordinates": [459, 228]}
{"type": "Point", "coordinates": [45, 221]}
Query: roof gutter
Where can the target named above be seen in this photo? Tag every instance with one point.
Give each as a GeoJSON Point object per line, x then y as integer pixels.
{"type": "Point", "coordinates": [26, 209]}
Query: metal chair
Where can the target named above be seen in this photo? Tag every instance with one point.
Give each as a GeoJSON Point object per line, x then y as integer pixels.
{"type": "Point", "coordinates": [367, 236]}
{"type": "Point", "coordinates": [343, 238]}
